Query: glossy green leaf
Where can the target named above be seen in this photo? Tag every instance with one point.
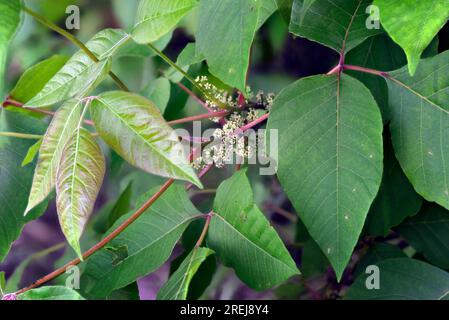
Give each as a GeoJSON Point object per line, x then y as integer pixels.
{"type": "Point", "coordinates": [243, 239]}
{"type": "Point", "coordinates": [158, 92]}
{"type": "Point", "coordinates": [51, 293]}
{"type": "Point", "coordinates": [32, 152]}
{"type": "Point", "coordinates": [145, 245]}
{"type": "Point", "coordinates": [9, 23]}
{"type": "Point", "coordinates": [136, 130]}
{"type": "Point", "coordinates": [177, 286]}
{"type": "Point", "coordinates": [78, 181]}
{"type": "Point", "coordinates": [156, 18]}
{"type": "Point", "coordinates": [419, 22]}
{"type": "Point", "coordinates": [396, 199]}
{"type": "Point", "coordinates": [15, 180]}
{"type": "Point", "coordinates": [403, 279]}
{"type": "Point", "coordinates": [428, 234]}
{"type": "Point", "coordinates": [420, 126]}
{"type": "Point", "coordinates": [81, 74]}
{"type": "Point", "coordinates": [333, 172]}
{"type": "Point", "coordinates": [225, 33]}
{"type": "Point", "coordinates": [34, 79]}
{"type": "Point", "coordinates": [59, 132]}
{"type": "Point", "coordinates": [337, 24]}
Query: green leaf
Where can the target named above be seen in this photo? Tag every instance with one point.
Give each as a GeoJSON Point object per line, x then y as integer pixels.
{"type": "Point", "coordinates": [337, 24]}
{"type": "Point", "coordinates": [78, 181]}
{"type": "Point", "coordinates": [285, 9]}
{"type": "Point", "coordinates": [186, 58]}
{"type": "Point", "coordinates": [396, 199]}
{"type": "Point", "coordinates": [377, 253]}
{"type": "Point", "coordinates": [15, 181]}
{"type": "Point", "coordinates": [243, 239]}
{"type": "Point", "coordinates": [32, 152]}
{"type": "Point", "coordinates": [9, 23]}
{"type": "Point", "coordinates": [136, 130]}
{"type": "Point", "coordinates": [80, 74]}
{"type": "Point", "coordinates": [333, 172]}
{"type": "Point", "coordinates": [420, 126]}
{"type": "Point", "coordinates": [177, 287]}
{"type": "Point", "coordinates": [121, 206]}
{"type": "Point", "coordinates": [147, 243]}
{"type": "Point", "coordinates": [225, 33]}
{"type": "Point", "coordinates": [159, 93]}
{"type": "Point", "coordinates": [419, 23]}
{"type": "Point", "coordinates": [155, 18]}
{"type": "Point", "coordinates": [403, 279]}
{"type": "Point", "coordinates": [59, 132]}
{"type": "Point", "coordinates": [314, 262]}
{"type": "Point", "coordinates": [427, 233]}
{"type": "Point", "coordinates": [34, 79]}
{"type": "Point", "coordinates": [267, 8]}
{"type": "Point", "coordinates": [51, 293]}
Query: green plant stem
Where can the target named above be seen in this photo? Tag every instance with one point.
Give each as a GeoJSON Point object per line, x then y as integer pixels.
{"type": "Point", "coordinates": [20, 135]}
{"type": "Point", "coordinates": [74, 40]}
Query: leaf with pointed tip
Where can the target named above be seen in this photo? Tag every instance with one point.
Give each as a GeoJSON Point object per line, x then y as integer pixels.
{"type": "Point", "coordinates": [78, 181]}
{"type": "Point", "coordinates": [285, 9]}
{"type": "Point", "coordinates": [15, 180]}
{"type": "Point", "coordinates": [427, 233]}
{"type": "Point", "coordinates": [330, 158]}
{"type": "Point", "coordinates": [337, 24]}
{"type": "Point", "coordinates": [81, 74]}
{"type": "Point", "coordinates": [159, 93]}
{"type": "Point", "coordinates": [51, 293]}
{"type": "Point", "coordinates": [9, 23]}
{"type": "Point", "coordinates": [267, 8]}
{"type": "Point", "coordinates": [225, 33]}
{"type": "Point", "coordinates": [419, 23]}
{"type": "Point", "coordinates": [34, 79]}
{"type": "Point", "coordinates": [32, 152]}
{"type": "Point", "coordinates": [155, 18]}
{"type": "Point", "coordinates": [186, 58]}
{"type": "Point", "coordinates": [419, 108]}
{"type": "Point", "coordinates": [146, 244]}
{"type": "Point", "coordinates": [136, 130]}
{"type": "Point", "coordinates": [243, 239]}
{"type": "Point", "coordinates": [177, 287]}
{"type": "Point", "coordinates": [403, 279]}
{"type": "Point", "coordinates": [59, 132]}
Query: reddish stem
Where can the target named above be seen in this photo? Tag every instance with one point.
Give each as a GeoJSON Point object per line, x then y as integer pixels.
{"type": "Point", "coordinates": [204, 232]}
{"type": "Point", "coordinates": [366, 70]}
{"type": "Point", "coordinates": [199, 117]}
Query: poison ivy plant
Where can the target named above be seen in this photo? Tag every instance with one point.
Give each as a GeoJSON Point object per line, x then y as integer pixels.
{"type": "Point", "coordinates": [422, 19]}
{"type": "Point", "coordinates": [81, 74]}
{"type": "Point", "coordinates": [336, 128]}
{"type": "Point", "coordinates": [352, 152]}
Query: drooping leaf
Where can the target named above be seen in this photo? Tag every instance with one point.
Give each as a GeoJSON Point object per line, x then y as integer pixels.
{"type": "Point", "coordinates": [32, 152]}
{"type": "Point", "coordinates": [51, 293]}
{"type": "Point", "coordinates": [156, 18]}
{"type": "Point", "coordinates": [15, 181]}
{"type": "Point", "coordinates": [147, 243]}
{"type": "Point", "coordinates": [403, 279]}
{"type": "Point", "coordinates": [186, 58]}
{"type": "Point", "coordinates": [285, 9]}
{"type": "Point", "coordinates": [330, 158]}
{"type": "Point", "coordinates": [158, 92]}
{"type": "Point", "coordinates": [377, 253]}
{"type": "Point", "coordinates": [136, 130]}
{"type": "Point", "coordinates": [34, 79]}
{"type": "Point", "coordinates": [267, 8]}
{"type": "Point", "coordinates": [9, 23]}
{"type": "Point", "coordinates": [337, 24]}
{"type": "Point", "coordinates": [419, 23]}
{"type": "Point", "coordinates": [420, 126]}
{"type": "Point", "coordinates": [314, 262]}
{"type": "Point", "coordinates": [396, 199]}
{"type": "Point", "coordinates": [78, 181]}
{"type": "Point", "coordinates": [225, 33]}
{"type": "Point", "coordinates": [59, 132]}
{"type": "Point", "coordinates": [81, 74]}
{"type": "Point", "coordinates": [243, 239]}
{"type": "Point", "coordinates": [177, 286]}
{"type": "Point", "coordinates": [428, 234]}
